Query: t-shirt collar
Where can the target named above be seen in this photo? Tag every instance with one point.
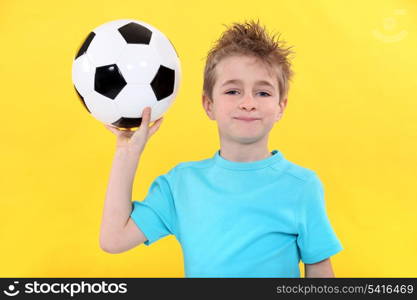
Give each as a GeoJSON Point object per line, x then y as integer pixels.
{"type": "Point", "coordinates": [258, 164]}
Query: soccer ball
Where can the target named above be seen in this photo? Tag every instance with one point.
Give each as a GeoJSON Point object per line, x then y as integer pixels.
{"type": "Point", "coordinates": [122, 67]}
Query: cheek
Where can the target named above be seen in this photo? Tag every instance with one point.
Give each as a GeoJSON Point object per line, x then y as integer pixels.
{"type": "Point", "coordinates": [270, 112]}
{"type": "Point", "coordinates": [224, 108]}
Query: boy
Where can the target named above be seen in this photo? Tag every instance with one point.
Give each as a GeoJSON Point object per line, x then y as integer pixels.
{"type": "Point", "coordinates": [245, 212]}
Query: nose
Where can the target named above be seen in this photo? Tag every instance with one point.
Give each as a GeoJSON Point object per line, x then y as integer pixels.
{"type": "Point", "coordinates": [248, 102]}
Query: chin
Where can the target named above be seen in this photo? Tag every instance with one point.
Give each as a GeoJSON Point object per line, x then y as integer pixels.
{"type": "Point", "coordinates": [240, 136]}
{"type": "Point", "coordinates": [247, 139]}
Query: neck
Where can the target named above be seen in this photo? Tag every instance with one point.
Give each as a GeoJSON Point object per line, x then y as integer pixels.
{"type": "Point", "coordinates": [239, 152]}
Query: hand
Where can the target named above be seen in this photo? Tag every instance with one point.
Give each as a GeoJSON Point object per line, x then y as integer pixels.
{"type": "Point", "coordinates": [136, 140]}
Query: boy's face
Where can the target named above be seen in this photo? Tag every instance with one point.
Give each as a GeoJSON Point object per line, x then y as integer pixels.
{"type": "Point", "coordinates": [245, 88]}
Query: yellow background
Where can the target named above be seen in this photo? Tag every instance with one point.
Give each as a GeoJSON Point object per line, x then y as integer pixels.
{"type": "Point", "coordinates": [351, 117]}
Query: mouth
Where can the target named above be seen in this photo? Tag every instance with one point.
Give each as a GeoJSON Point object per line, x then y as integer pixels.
{"type": "Point", "coordinates": [247, 119]}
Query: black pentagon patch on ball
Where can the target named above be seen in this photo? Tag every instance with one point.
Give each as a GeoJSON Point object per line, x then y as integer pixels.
{"type": "Point", "coordinates": [85, 45]}
{"type": "Point", "coordinates": [163, 82]}
{"type": "Point", "coordinates": [134, 33]}
{"type": "Point", "coordinates": [81, 99]}
{"type": "Point", "coordinates": [128, 122]}
{"type": "Point", "coordinates": [108, 81]}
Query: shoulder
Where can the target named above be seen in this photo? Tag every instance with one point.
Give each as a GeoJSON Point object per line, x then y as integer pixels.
{"type": "Point", "coordinates": [297, 173]}
{"type": "Point", "coordinates": [309, 190]}
{"type": "Point", "coordinates": [184, 167]}
{"type": "Point", "coordinates": [199, 164]}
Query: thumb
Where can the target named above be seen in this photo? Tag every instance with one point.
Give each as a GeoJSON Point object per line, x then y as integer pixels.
{"type": "Point", "coordinates": [155, 126]}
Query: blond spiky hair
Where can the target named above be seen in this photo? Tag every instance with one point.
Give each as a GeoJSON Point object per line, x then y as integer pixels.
{"type": "Point", "coordinates": [251, 39]}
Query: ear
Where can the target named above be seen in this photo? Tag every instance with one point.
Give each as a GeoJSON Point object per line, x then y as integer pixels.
{"type": "Point", "coordinates": [282, 105]}
{"type": "Point", "coordinates": [208, 106]}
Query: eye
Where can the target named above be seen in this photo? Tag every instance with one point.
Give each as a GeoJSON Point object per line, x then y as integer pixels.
{"type": "Point", "coordinates": [231, 92]}
{"type": "Point", "coordinates": [264, 94]}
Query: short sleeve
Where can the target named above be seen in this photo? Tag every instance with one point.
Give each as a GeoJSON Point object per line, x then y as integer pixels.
{"type": "Point", "coordinates": [316, 238]}
{"type": "Point", "coordinates": [155, 215]}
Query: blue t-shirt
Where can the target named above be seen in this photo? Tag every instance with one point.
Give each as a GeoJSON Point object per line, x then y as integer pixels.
{"type": "Point", "coordinates": [240, 219]}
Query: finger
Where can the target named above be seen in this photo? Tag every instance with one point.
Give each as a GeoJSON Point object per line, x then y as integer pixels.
{"type": "Point", "coordinates": [112, 129]}
{"type": "Point", "coordinates": [146, 115]}
{"type": "Point", "coordinates": [142, 132]}
{"type": "Point", "coordinates": [155, 126]}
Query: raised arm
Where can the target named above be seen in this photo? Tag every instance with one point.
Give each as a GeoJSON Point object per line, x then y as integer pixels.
{"type": "Point", "coordinates": [118, 232]}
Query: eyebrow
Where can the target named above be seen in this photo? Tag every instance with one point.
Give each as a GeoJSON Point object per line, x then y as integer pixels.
{"type": "Point", "coordinates": [259, 82]}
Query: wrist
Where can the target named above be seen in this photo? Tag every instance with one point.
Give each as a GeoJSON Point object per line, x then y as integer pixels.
{"type": "Point", "coordinates": [129, 150]}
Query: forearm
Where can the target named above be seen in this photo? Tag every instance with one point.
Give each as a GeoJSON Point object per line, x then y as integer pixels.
{"type": "Point", "coordinates": [117, 204]}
